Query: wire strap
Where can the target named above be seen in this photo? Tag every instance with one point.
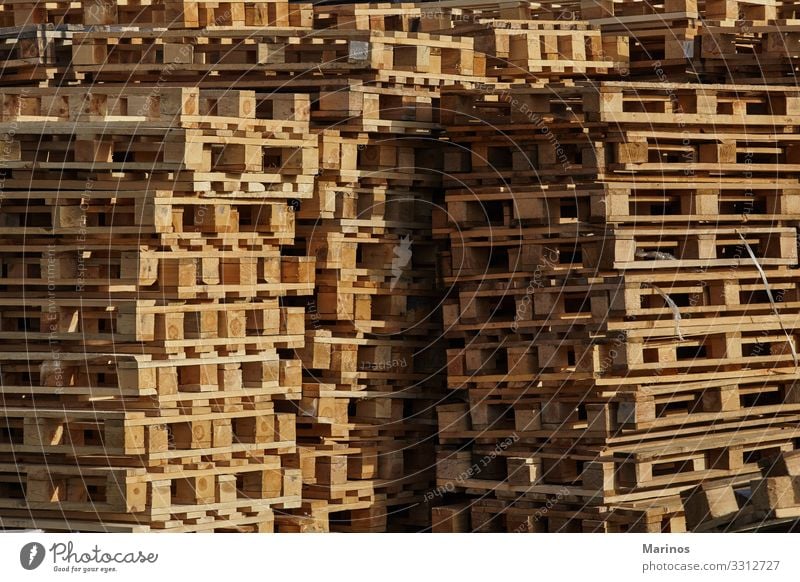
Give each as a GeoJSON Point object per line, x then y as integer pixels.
{"type": "Point", "coordinates": [769, 295]}
{"type": "Point", "coordinates": [676, 314]}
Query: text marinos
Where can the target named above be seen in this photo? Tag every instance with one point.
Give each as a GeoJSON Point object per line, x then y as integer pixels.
{"type": "Point", "coordinates": [651, 549]}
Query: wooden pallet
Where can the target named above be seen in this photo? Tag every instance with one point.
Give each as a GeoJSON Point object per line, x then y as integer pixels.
{"type": "Point", "coordinates": [142, 54]}
{"type": "Point", "coordinates": [491, 515]}
{"type": "Point", "coordinates": [722, 506]}
{"type": "Point", "coordinates": [209, 203]}
{"type": "Point", "coordinates": [34, 54]}
{"type": "Point", "coordinates": [169, 409]}
{"type": "Point", "coordinates": [573, 372]}
{"type": "Point", "coordinates": [173, 13]}
{"type": "Point", "coordinates": [543, 49]}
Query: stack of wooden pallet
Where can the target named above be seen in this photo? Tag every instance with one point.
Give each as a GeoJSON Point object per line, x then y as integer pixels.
{"type": "Point", "coordinates": [367, 414]}
{"type": "Point", "coordinates": [770, 502]}
{"type": "Point", "coordinates": [360, 204]}
{"type": "Point", "coordinates": [152, 13]}
{"type": "Point", "coordinates": [708, 40]}
{"type": "Point", "coordinates": [224, 56]}
{"type": "Point", "coordinates": [751, 41]}
{"type": "Point", "coordinates": [656, 35]}
{"type": "Point", "coordinates": [626, 302]}
{"type": "Point", "coordinates": [660, 35]}
{"type": "Point", "coordinates": [31, 53]}
{"type": "Point", "coordinates": [240, 42]}
{"type": "Point", "coordinates": [63, 40]}
{"type": "Point", "coordinates": [146, 363]}
{"type": "Point", "coordinates": [247, 41]}
{"type": "Point", "coordinates": [373, 373]}
{"type": "Point", "coordinates": [58, 40]}
{"type": "Point", "coordinates": [240, 235]}
{"type": "Point", "coordinates": [374, 314]}
{"type": "Point", "coordinates": [513, 47]}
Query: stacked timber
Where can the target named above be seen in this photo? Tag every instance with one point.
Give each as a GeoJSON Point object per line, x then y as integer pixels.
{"type": "Point", "coordinates": [360, 204]}
{"type": "Point", "coordinates": [94, 40]}
{"type": "Point", "coordinates": [241, 233]}
{"type": "Point", "coordinates": [147, 363]}
{"type": "Point", "coordinates": [249, 41]}
{"type": "Point", "coordinates": [372, 360]}
{"type": "Point", "coordinates": [722, 41]}
{"type": "Point", "coordinates": [373, 374]}
{"type": "Point", "coordinates": [52, 42]}
{"type": "Point", "coordinates": [751, 42]}
{"type": "Point", "coordinates": [661, 36]}
{"type": "Point", "coordinates": [153, 13]}
{"type": "Point", "coordinates": [224, 56]}
{"type": "Point", "coordinates": [624, 318]}
{"type": "Point", "coordinates": [375, 309]}
{"type": "Point", "coordinates": [370, 381]}
{"type": "Point", "coordinates": [36, 53]}
{"type": "Point", "coordinates": [513, 47]}
{"type": "Point", "coordinates": [771, 502]}
{"type": "Point", "coordinates": [372, 378]}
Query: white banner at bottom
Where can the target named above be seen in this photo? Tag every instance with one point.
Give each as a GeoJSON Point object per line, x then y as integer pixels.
{"type": "Point", "coordinates": [399, 557]}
